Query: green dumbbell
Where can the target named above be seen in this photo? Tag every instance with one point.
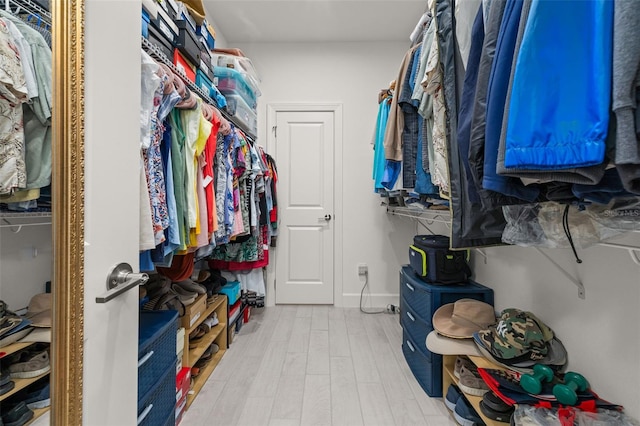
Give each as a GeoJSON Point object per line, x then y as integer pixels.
{"type": "Point", "coordinates": [532, 383]}
{"type": "Point", "coordinates": [566, 393]}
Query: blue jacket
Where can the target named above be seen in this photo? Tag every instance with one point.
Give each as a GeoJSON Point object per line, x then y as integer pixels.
{"type": "Point", "coordinates": [559, 111]}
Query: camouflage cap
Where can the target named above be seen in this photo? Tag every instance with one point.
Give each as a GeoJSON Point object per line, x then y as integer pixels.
{"type": "Point", "coordinates": [518, 336]}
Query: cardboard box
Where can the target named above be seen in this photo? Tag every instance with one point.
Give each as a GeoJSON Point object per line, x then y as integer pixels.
{"type": "Point", "coordinates": [194, 311]}
{"type": "Point", "coordinates": [183, 383]}
{"type": "Point", "coordinates": [247, 314]}
{"type": "Point", "coordinates": [181, 407]}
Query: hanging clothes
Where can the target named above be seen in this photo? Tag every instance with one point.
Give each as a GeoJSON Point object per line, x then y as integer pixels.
{"type": "Point", "coordinates": [568, 126]}
{"type": "Point", "coordinates": [626, 67]}
{"type": "Point", "coordinates": [13, 93]}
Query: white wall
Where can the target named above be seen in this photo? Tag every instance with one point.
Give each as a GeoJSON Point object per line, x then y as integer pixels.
{"type": "Point", "coordinates": [350, 74]}
{"type": "Point", "coordinates": [25, 262]}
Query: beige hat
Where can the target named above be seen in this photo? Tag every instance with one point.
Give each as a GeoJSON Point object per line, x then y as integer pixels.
{"type": "Point", "coordinates": [461, 319]}
{"type": "Point", "coordinates": [439, 344]}
{"type": "Point", "coordinates": [39, 310]}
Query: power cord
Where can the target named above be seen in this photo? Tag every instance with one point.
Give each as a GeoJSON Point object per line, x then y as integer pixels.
{"type": "Point", "coordinates": [366, 282]}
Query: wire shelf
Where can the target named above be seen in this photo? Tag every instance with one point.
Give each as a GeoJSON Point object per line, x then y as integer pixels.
{"type": "Point", "coordinates": [17, 6]}
{"type": "Point", "coordinates": [429, 216]}
{"type": "Point", "coordinates": [158, 55]}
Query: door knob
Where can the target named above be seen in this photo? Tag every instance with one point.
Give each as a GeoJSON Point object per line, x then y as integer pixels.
{"type": "Point", "coordinates": [327, 217]}
{"type": "Point", "coordinates": [121, 278]}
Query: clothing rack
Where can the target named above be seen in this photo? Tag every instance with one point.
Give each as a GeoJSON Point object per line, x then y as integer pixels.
{"type": "Point", "coordinates": [17, 7]}
{"type": "Point", "coordinates": [158, 55]}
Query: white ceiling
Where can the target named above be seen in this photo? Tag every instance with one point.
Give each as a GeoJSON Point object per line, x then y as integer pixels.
{"type": "Point", "coordinates": [242, 21]}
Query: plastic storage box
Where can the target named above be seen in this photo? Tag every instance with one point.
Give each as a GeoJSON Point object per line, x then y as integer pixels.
{"type": "Point", "coordinates": [156, 347]}
{"type": "Point", "coordinates": [238, 63]}
{"type": "Point", "coordinates": [232, 82]}
{"type": "Point", "coordinates": [242, 113]}
{"type": "Point", "coordinates": [158, 407]}
{"type": "Point", "coordinates": [418, 302]}
{"type": "Point", "coordinates": [422, 367]}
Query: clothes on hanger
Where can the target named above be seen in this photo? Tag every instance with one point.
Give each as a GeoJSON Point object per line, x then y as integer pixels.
{"type": "Point", "coordinates": [26, 164]}
{"type": "Point", "coordinates": [206, 190]}
{"type": "Point", "coordinates": [498, 126]}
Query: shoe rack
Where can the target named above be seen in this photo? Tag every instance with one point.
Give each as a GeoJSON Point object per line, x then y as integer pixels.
{"type": "Point", "coordinates": [21, 383]}
{"type": "Point", "coordinates": [448, 365]}
{"type": "Point", "coordinates": [217, 334]}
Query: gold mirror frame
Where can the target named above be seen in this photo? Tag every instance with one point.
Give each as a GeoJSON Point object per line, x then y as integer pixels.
{"type": "Point", "coordinates": [68, 211]}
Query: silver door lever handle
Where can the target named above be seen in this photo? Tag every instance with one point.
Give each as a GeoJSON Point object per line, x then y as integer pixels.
{"type": "Point", "coordinates": [120, 280]}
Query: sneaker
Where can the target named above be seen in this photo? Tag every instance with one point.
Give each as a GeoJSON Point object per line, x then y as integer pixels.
{"type": "Point", "coordinates": [212, 321]}
{"type": "Point", "coordinates": [186, 297]}
{"type": "Point", "coordinates": [450, 400]}
{"type": "Point", "coordinates": [462, 361]}
{"type": "Point", "coordinates": [5, 377]}
{"type": "Point", "coordinates": [30, 365]}
{"type": "Point", "coordinates": [191, 286]}
{"type": "Point", "coordinates": [471, 383]}
{"type": "Point", "coordinates": [17, 415]}
{"type": "Point", "coordinates": [7, 387]}
{"type": "Point", "coordinates": [465, 415]}
{"type": "Point", "coordinates": [38, 395]}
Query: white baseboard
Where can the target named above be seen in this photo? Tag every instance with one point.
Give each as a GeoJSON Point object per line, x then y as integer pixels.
{"type": "Point", "coordinates": [352, 300]}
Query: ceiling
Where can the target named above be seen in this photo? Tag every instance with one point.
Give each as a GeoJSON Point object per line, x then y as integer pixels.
{"type": "Point", "coordinates": [264, 21]}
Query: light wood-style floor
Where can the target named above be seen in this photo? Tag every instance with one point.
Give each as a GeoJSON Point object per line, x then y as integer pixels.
{"type": "Point", "coordinates": [315, 365]}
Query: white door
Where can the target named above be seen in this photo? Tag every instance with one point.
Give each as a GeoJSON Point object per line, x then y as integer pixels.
{"type": "Point", "coordinates": [304, 154]}
{"type": "Point", "coordinates": [112, 147]}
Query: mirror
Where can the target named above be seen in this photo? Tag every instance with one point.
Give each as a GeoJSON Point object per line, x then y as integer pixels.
{"type": "Point", "coordinates": [47, 89]}
{"type": "Point", "coordinates": [68, 211]}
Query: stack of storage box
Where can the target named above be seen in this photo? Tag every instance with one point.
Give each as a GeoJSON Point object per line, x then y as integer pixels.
{"type": "Point", "coordinates": [418, 302]}
{"type": "Point", "coordinates": [228, 79]}
{"type": "Point", "coordinates": [238, 81]}
{"type": "Point", "coordinates": [157, 367]}
{"type": "Point", "coordinates": [168, 25]}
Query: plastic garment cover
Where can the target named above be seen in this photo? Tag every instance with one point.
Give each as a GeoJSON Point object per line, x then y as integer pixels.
{"type": "Point", "coordinates": [471, 227]}
{"type": "Point", "coordinates": [527, 415]}
{"type": "Point", "coordinates": [542, 224]}
{"type": "Point", "coordinates": [559, 111]}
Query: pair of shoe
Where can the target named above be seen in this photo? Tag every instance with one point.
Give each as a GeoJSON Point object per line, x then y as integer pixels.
{"type": "Point", "coordinates": [463, 412]}
{"type": "Point", "coordinates": [204, 359]}
{"type": "Point", "coordinates": [12, 327]}
{"type": "Point", "coordinates": [188, 291]}
{"type": "Point", "coordinates": [16, 415]}
{"type": "Point", "coordinates": [469, 379]}
{"type": "Point", "coordinates": [211, 322]}
{"type": "Point", "coordinates": [6, 384]}
{"type": "Point", "coordinates": [30, 362]}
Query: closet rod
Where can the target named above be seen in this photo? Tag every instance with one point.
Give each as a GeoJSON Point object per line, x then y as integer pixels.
{"type": "Point", "coordinates": [29, 7]}
{"type": "Point", "coordinates": [160, 56]}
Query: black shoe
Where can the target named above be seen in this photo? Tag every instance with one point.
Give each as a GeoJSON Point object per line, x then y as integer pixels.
{"type": "Point", "coordinates": [7, 387]}
{"type": "Point", "coordinates": [17, 415]}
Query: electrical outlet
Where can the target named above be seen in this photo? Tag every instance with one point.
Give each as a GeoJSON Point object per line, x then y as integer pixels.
{"type": "Point", "coordinates": [363, 269]}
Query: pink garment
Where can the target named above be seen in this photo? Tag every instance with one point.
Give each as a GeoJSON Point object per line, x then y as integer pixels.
{"type": "Point", "coordinates": [202, 239]}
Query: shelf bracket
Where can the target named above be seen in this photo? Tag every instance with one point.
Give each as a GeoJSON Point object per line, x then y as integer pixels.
{"type": "Point", "coordinates": [634, 251]}
{"type": "Point", "coordinates": [481, 253]}
{"type": "Point", "coordinates": [577, 282]}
